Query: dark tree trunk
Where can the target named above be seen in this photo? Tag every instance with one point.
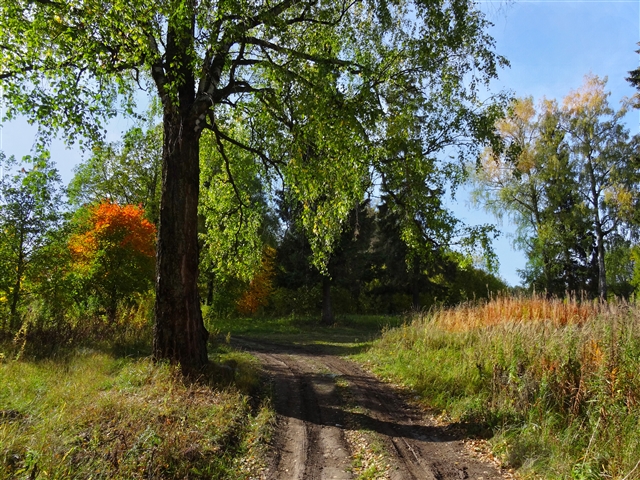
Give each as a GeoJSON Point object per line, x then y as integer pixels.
{"type": "Point", "coordinates": [179, 335]}
{"type": "Point", "coordinates": [415, 287]}
{"type": "Point", "coordinates": [209, 299]}
{"type": "Point", "coordinates": [327, 311]}
{"type": "Point", "coordinates": [17, 287]}
{"type": "Point", "coordinates": [415, 296]}
{"type": "Point", "coordinates": [179, 332]}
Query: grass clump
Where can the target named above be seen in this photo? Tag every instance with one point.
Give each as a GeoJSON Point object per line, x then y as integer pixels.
{"type": "Point", "coordinates": [97, 416]}
{"type": "Point", "coordinates": [555, 381]}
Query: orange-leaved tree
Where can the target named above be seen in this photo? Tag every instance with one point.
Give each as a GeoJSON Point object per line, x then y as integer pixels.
{"type": "Point", "coordinates": [113, 252]}
{"type": "Point", "coordinates": [261, 286]}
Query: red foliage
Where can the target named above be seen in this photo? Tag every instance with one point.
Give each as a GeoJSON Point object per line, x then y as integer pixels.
{"type": "Point", "coordinates": [111, 225]}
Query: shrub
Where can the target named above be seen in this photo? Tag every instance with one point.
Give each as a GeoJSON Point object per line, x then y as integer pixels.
{"type": "Point", "coordinates": [113, 253]}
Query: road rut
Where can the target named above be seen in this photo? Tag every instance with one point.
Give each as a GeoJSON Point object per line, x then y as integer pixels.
{"type": "Point", "coordinates": [329, 410]}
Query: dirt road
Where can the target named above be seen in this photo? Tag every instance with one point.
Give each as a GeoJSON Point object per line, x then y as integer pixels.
{"type": "Point", "coordinates": [336, 421]}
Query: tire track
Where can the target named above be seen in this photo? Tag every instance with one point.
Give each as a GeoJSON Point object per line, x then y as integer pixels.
{"type": "Point", "coordinates": [311, 443]}
{"type": "Point", "coordinates": [418, 449]}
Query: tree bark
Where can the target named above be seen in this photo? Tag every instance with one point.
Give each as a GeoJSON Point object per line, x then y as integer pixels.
{"type": "Point", "coordinates": [179, 332]}
{"type": "Point", "coordinates": [327, 310]}
{"type": "Point", "coordinates": [179, 335]}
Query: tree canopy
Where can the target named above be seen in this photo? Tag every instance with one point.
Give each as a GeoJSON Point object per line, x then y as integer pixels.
{"type": "Point", "coordinates": [319, 94]}
{"type": "Point", "coordinates": [566, 173]}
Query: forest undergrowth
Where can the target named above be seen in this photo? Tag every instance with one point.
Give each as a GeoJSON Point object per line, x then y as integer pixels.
{"type": "Point", "coordinates": [555, 382]}
{"type": "Point", "coordinates": [95, 413]}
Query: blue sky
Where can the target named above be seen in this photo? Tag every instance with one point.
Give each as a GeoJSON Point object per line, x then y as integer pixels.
{"type": "Point", "coordinates": [551, 46]}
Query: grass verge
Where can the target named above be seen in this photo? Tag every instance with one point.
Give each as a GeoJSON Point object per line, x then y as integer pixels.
{"type": "Point", "coordinates": [556, 382]}
{"type": "Point", "coordinates": [93, 415]}
{"type": "Point", "coordinates": [349, 335]}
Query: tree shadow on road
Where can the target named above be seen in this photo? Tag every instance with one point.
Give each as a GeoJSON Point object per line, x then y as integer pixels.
{"type": "Point", "coordinates": [370, 404]}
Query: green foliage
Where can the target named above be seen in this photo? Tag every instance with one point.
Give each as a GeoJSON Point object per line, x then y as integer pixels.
{"type": "Point", "coordinates": [235, 215]}
{"type": "Point", "coordinates": [29, 216]}
{"type": "Point", "coordinates": [125, 172]}
{"type": "Point", "coordinates": [324, 95]}
{"type": "Point", "coordinates": [621, 261]}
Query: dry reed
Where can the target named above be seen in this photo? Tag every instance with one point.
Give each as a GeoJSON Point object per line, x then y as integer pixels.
{"type": "Point", "coordinates": [524, 309]}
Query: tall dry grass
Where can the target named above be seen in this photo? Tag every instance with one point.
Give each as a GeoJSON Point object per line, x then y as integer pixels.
{"type": "Point", "coordinates": [524, 309]}
{"type": "Point", "coordinates": [556, 381]}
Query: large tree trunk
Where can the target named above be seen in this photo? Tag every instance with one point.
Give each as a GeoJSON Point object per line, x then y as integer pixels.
{"type": "Point", "coordinates": [179, 335]}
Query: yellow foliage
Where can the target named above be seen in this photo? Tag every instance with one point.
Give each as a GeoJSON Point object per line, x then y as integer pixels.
{"type": "Point", "coordinates": [516, 125]}
{"type": "Point", "coordinates": [590, 98]}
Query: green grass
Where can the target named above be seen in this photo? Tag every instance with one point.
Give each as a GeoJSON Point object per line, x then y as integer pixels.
{"type": "Point", "coordinates": [93, 415]}
{"type": "Point", "coordinates": [108, 412]}
{"type": "Point", "coordinates": [349, 335]}
{"type": "Point", "coordinates": [562, 400]}
{"type": "Point", "coordinates": [348, 328]}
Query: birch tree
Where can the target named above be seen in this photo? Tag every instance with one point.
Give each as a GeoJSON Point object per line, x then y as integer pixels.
{"type": "Point", "coordinates": [311, 81]}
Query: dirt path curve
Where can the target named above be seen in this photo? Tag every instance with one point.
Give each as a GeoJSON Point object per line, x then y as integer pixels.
{"type": "Point", "coordinates": [332, 414]}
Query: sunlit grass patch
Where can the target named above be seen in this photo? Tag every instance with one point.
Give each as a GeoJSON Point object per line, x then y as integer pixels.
{"type": "Point", "coordinates": [556, 381]}
{"type": "Point", "coordinates": [95, 416]}
{"type": "Point", "coordinates": [349, 334]}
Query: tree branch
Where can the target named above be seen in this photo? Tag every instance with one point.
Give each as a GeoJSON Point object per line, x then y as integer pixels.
{"type": "Point", "coordinates": [265, 44]}
{"type": "Point", "coordinates": [265, 159]}
{"type": "Point", "coordinates": [223, 152]}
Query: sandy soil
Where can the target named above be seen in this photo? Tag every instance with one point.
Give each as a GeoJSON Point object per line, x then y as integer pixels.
{"type": "Point", "coordinates": [337, 421]}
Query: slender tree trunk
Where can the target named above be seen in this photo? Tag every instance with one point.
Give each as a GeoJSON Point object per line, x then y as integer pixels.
{"type": "Point", "coordinates": [112, 307]}
{"type": "Point", "coordinates": [17, 287]}
{"type": "Point", "coordinates": [415, 296]}
{"type": "Point", "coordinates": [415, 287]}
{"type": "Point", "coordinates": [595, 197]}
{"type": "Point", "coordinates": [602, 272]}
{"type": "Point", "coordinates": [15, 297]}
{"type": "Point", "coordinates": [327, 311]}
{"type": "Point", "coordinates": [209, 298]}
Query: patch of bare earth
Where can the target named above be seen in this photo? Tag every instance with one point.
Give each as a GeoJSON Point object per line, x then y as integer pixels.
{"type": "Point", "coordinates": [336, 421]}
